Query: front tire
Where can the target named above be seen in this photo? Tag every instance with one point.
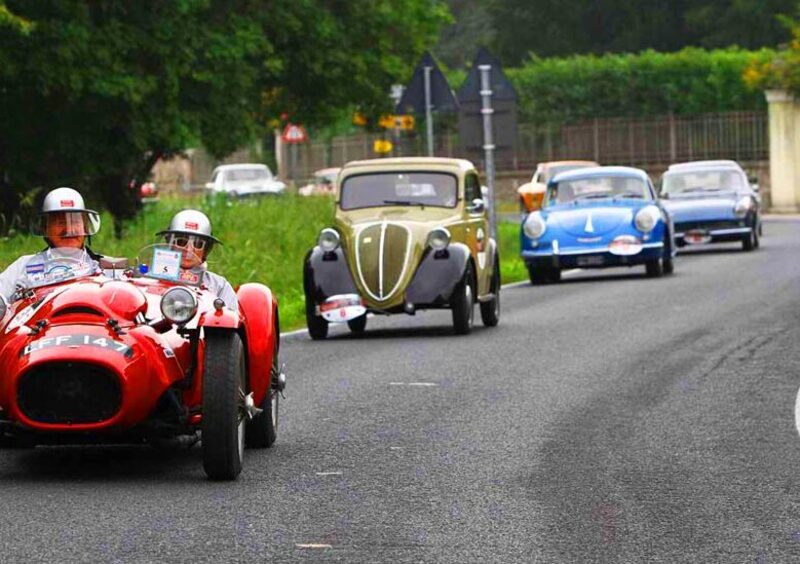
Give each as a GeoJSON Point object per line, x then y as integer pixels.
{"type": "Point", "coordinates": [358, 325]}
{"type": "Point", "coordinates": [462, 303]}
{"type": "Point", "coordinates": [490, 311]}
{"type": "Point", "coordinates": [223, 425]}
{"type": "Point", "coordinates": [262, 430]}
{"type": "Point", "coordinates": [751, 242]}
{"type": "Point", "coordinates": [317, 325]}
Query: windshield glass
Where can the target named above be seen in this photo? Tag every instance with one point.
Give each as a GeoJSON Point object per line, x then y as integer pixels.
{"type": "Point", "coordinates": [245, 174]}
{"type": "Point", "coordinates": [60, 265]}
{"type": "Point", "coordinates": [437, 189]}
{"type": "Point", "coordinates": [597, 187]}
{"type": "Point", "coordinates": [701, 181]}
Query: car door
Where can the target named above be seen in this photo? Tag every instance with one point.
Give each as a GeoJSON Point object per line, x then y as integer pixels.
{"type": "Point", "coordinates": [477, 229]}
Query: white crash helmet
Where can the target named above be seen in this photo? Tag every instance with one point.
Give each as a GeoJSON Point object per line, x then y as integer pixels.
{"type": "Point", "coordinates": [78, 220]}
{"type": "Point", "coordinates": [191, 223]}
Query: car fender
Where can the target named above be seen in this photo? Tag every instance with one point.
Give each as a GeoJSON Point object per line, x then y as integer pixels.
{"type": "Point", "coordinates": [261, 334]}
{"type": "Point", "coordinates": [437, 275]}
{"type": "Point", "coordinates": [327, 274]}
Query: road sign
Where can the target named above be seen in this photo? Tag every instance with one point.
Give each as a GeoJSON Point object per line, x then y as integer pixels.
{"type": "Point", "coordinates": [382, 146]}
{"type": "Point", "coordinates": [294, 134]}
{"type": "Point", "coordinates": [404, 122]}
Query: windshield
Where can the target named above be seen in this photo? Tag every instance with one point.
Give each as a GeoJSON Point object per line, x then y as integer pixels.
{"type": "Point", "coordinates": [245, 174]}
{"type": "Point", "coordinates": [597, 187]}
{"type": "Point", "coordinates": [437, 189]}
{"type": "Point", "coordinates": [701, 181]}
{"type": "Point", "coordinates": [60, 265]}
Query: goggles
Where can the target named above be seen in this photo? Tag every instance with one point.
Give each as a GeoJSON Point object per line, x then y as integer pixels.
{"type": "Point", "coordinates": [179, 241]}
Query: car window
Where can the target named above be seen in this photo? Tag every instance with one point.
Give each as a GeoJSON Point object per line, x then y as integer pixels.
{"type": "Point", "coordinates": [472, 188]}
{"type": "Point", "coordinates": [702, 181]}
{"type": "Point", "coordinates": [245, 174]}
{"type": "Point", "coordinates": [437, 189]}
{"type": "Point", "coordinates": [597, 187]}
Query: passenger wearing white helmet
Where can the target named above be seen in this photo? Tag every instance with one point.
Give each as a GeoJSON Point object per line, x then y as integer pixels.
{"type": "Point", "coordinates": [65, 223]}
{"type": "Point", "coordinates": [190, 232]}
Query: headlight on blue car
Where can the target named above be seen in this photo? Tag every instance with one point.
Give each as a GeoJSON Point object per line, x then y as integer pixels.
{"type": "Point", "coordinates": [534, 226]}
{"type": "Point", "coordinates": [646, 218]}
{"type": "Point", "coordinates": [742, 206]}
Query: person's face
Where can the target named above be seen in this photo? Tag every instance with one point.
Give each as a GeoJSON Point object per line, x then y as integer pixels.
{"type": "Point", "coordinates": [66, 229]}
{"type": "Point", "coordinates": [192, 247]}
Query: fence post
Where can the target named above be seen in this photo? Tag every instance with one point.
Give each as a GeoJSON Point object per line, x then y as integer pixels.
{"type": "Point", "coordinates": [673, 140]}
{"type": "Point", "coordinates": [596, 141]}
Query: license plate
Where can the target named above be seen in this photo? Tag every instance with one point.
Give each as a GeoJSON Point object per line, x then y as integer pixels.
{"type": "Point", "coordinates": [697, 238]}
{"type": "Point", "coordinates": [590, 261]}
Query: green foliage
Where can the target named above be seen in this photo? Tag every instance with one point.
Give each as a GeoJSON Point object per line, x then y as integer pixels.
{"type": "Point", "coordinates": [582, 87]}
{"type": "Point", "coordinates": [782, 71]}
{"type": "Point", "coordinates": [551, 28]}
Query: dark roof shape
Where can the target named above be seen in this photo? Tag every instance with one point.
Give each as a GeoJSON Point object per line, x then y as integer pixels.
{"type": "Point", "coordinates": [502, 89]}
{"type": "Point", "coordinates": [413, 98]}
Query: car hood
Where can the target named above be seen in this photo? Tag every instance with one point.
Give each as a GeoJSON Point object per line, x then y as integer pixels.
{"type": "Point", "coordinates": [593, 218]}
{"type": "Point", "coordinates": [384, 247]}
{"type": "Point", "coordinates": [702, 207]}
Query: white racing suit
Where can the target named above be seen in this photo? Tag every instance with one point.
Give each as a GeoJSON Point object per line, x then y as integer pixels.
{"type": "Point", "coordinates": [218, 286]}
{"type": "Point", "coordinates": [28, 269]}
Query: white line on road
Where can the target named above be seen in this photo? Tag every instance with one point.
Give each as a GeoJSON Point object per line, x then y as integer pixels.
{"type": "Point", "coordinates": [423, 384]}
{"type": "Point", "coordinates": [329, 473]}
{"type": "Point", "coordinates": [797, 412]}
{"type": "Point", "coordinates": [313, 545]}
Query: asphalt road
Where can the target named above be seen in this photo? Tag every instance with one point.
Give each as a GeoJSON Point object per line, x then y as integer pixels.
{"type": "Point", "coordinates": [610, 418]}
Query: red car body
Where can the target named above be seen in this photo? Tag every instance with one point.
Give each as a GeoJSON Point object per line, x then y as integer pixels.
{"type": "Point", "coordinates": [94, 360]}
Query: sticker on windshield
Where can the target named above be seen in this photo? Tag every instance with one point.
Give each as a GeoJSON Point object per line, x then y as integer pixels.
{"type": "Point", "coordinates": [76, 341]}
{"type": "Point", "coordinates": [166, 264]}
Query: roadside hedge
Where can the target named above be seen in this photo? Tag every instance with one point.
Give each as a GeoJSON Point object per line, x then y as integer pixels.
{"type": "Point", "coordinates": [690, 81]}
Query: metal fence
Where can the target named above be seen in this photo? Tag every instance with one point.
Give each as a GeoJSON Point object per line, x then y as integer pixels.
{"type": "Point", "coordinates": [628, 141]}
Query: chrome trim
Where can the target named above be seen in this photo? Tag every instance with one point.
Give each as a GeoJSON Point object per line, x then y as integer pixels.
{"type": "Point", "coordinates": [597, 250]}
{"type": "Point", "coordinates": [384, 225]}
{"type": "Point", "coordinates": [731, 231]}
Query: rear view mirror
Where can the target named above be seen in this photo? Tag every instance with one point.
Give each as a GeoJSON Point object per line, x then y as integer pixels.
{"type": "Point", "coordinates": [477, 206]}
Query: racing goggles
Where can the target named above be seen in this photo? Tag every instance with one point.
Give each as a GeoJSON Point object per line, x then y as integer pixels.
{"type": "Point", "coordinates": [178, 241]}
{"type": "Point", "coordinates": [67, 224]}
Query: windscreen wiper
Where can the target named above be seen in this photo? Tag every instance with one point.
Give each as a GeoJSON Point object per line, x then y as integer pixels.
{"type": "Point", "coordinates": [404, 203]}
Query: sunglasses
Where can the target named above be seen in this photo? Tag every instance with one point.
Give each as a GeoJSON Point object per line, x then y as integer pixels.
{"type": "Point", "coordinates": [183, 242]}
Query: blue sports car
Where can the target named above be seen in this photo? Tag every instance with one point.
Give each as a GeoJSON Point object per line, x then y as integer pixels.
{"type": "Point", "coordinates": [710, 202]}
{"type": "Point", "coordinates": [598, 217]}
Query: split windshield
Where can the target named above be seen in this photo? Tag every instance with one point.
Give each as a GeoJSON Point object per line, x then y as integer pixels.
{"type": "Point", "coordinates": [702, 181]}
{"type": "Point", "coordinates": [597, 187]}
{"type": "Point", "coordinates": [436, 189]}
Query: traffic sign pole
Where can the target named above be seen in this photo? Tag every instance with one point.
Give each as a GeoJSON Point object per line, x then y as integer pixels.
{"type": "Point", "coordinates": [428, 110]}
{"type": "Point", "coordinates": [488, 141]}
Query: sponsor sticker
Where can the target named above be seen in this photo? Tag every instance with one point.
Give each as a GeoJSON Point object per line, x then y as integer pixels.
{"type": "Point", "coordinates": [67, 203]}
{"type": "Point", "coordinates": [343, 307]}
{"type": "Point", "coordinates": [189, 277]}
{"type": "Point", "coordinates": [77, 341]}
{"type": "Point", "coordinates": [191, 225]}
{"type": "Point", "coordinates": [37, 268]}
{"type": "Point", "coordinates": [697, 238]}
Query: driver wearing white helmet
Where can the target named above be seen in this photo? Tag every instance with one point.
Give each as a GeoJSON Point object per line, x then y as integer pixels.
{"type": "Point", "coordinates": [190, 232]}
{"type": "Point", "coordinates": [65, 223]}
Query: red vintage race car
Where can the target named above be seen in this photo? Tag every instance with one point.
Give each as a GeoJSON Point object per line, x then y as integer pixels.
{"type": "Point", "coordinates": [139, 357]}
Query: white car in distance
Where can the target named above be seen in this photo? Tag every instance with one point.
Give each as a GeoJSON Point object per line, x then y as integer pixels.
{"type": "Point", "coordinates": [244, 180]}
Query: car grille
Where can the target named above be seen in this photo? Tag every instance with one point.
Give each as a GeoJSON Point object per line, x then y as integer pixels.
{"type": "Point", "coordinates": [69, 393]}
{"type": "Point", "coordinates": [381, 252]}
{"type": "Point", "coordinates": [685, 226]}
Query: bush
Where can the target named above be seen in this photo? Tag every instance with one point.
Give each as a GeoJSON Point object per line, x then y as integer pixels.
{"type": "Point", "coordinates": [691, 81]}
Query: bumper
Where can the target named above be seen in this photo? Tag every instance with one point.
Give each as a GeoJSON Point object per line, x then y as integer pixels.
{"type": "Point", "coordinates": [592, 257]}
{"type": "Point", "coordinates": [700, 235]}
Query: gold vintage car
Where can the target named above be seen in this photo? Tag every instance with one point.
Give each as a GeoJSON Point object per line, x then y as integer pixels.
{"type": "Point", "coordinates": [409, 234]}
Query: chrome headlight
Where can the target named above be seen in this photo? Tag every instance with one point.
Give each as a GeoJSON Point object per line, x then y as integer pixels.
{"type": "Point", "coordinates": [534, 226]}
{"type": "Point", "coordinates": [178, 305]}
{"type": "Point", "coordinates": [742, 206]}
{"type": "Point", "coordinates": [328, 239]}
{"type": "Point", "coordinates": [646, 218]}
{"type": "Point", "coordinates": [438, 239]}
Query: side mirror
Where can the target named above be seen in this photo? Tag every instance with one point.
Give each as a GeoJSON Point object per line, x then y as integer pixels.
{"type": "Point", "coordinates": [477, 206]}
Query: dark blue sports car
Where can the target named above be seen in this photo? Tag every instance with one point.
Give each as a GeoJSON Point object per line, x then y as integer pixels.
{"type": "Point", "coordinates": [711, 202]}
{"type": "Point", "coordinates": [595, 218]}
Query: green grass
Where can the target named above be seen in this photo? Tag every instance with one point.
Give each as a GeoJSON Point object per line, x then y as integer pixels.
{"type": "Point", "coordinates": [265, 240]}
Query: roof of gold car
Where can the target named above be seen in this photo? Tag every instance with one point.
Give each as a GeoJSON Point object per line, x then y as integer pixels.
{"type": "Point", "coordinates": [399, 162]}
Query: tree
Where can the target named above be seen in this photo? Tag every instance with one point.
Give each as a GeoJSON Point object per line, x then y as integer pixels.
{"type": "Point", "coordinates": [98, 90]}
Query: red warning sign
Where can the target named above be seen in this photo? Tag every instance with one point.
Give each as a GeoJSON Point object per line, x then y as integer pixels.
{"type": "Point", "coordinates": [294, 134]}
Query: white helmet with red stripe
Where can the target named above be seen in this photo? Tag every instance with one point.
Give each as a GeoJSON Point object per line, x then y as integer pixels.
{"type": "Point", "coordinates": [64, 200]}
{"type": "Point", "coordinates": [76, 220]}
{"type": "Point", "coordinates": [190, 222]}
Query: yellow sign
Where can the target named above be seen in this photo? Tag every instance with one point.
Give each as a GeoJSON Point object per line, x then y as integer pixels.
{"type": "Point", "coordinates": [359, 119]}
{"type": "Point", "coordinates": [404, 122]}
{"type": "Point", "coordinates": [382, 146]}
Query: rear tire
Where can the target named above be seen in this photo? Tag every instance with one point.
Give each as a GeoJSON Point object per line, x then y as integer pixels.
{"type": "Point", "coordinates": [262, 430]}
{"type": "Point", "coordinates": [223, 425]}
{"type": "Point", "coordinates": [463, 303]}
{"type": "Point", "coordinates": [317, 325]}
{"type": "Point", "coordinates": [358, 325]}
{"type": "Point", "coordinates": [490, 311]}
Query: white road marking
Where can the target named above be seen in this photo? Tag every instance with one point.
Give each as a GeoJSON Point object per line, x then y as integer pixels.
{"type": "Point", "coordinates": [329, 473]}
{"type": "Point", "coordinates": [797, 412]}
{"type": "Point", "coordinates": [313, 545]}
{"type": "Point", "coordinates": [423, 384]}
{"type": "Point", "coordinates": [395, 448]}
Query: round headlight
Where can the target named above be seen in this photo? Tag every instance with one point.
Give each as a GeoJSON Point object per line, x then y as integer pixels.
{"type": "Point", "coordinates": [328, 239]}
{"type": "Point", "coordinates": [439, 238]}
{"type": "Point", "coordinates": [742, 206]}
{"type": "Point", "coordinates": [3, 308]}
{"type": "Point", "coordinates": [534, 226]}
{"type": "Point", "coordinates": [178, 305]}
{"type": "Point", "coordinates": [646, 218]}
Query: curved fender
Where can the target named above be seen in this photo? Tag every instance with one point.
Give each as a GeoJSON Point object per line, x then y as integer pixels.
{"type": "Point", "coordinates": [437, 275]}
{"type": "Point", "coordinates": [327, 274]}
{"type": "Point", "coordinates": [261, 330]}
